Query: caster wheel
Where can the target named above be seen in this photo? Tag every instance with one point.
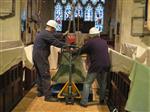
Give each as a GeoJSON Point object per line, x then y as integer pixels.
{"type": "Point", "coordinates": [69, 100]}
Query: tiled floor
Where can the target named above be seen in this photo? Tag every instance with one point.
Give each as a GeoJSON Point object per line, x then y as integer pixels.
{"type": "Point", "coordinates": [32, 103]}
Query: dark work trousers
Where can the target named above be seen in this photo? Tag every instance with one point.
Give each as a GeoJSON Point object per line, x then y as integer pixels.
{"type": "Point", "coordinates": [41, 63]}
{"type": "Point", "coordinates": [102, 82]}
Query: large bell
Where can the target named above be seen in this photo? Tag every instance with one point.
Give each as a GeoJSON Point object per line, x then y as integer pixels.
{"type": "Point", "coordinates": [77, 70]}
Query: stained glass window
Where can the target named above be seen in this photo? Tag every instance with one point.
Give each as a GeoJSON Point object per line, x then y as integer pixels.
{"type": "Point", "coordinates": [88, 13]}
{"type": "Point", "coordinates": [74, 1]}
{"type": "Point", "coordinates": [94, 2]}
{"type": "Point", "coordinates": [103, 1]}
{"type": "Point", "coordinates": [99, 17]}
{"type": "Point", "coordinates": [63, 1]}
{"type": "Point", "coordinates": [89, 10]}
{"type": "Point", "coordinates": [67, 11]}
{"type": "Point", "coordinates": [78, 10]}
{"type": "Point", "coordinates": [84, 1]}
{"type": "Point", "coordinates": [58, 16]}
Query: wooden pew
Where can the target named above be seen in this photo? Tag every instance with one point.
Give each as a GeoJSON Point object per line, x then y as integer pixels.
{"type": "Point", "coordinates": [119, 84]}
{"type": "Point", "coordinates": [11, 87]}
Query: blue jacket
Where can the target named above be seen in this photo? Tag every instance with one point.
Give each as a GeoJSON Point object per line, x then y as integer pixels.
{"type": "Point", "coordinates": [44, 40]}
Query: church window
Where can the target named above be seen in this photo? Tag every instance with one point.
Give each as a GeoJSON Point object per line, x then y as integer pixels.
{"type": "Point", "coordinates": [88, 10]}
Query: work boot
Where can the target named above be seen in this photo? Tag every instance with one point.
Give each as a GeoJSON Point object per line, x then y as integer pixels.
{"type": "Point", "coordinates": [102, 102]}
{"type": "Point", "coordinates": [50, 99]}
{"type": "Point", "coordinates": [83, 105]}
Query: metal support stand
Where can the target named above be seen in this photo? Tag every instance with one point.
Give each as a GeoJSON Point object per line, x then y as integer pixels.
{"type": "Point", "coordinates": [69, 90]}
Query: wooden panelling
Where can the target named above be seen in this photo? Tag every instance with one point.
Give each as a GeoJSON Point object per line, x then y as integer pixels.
{"type": "Point", "coordinates": [8, 99]}
{"type": "Point", "coordinates": [30, 78]}
{"type": "Point", "coordinates": [1, 102]}
{"type": "Point", "coordinates": [118, 90]}
{"type": "Point", "coordinates": [11, 89]}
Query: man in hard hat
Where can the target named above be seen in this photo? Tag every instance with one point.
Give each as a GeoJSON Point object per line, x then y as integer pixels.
{"type": "Point", "coordinates": [41, 52]}
{"type": "Point", "coordinates": [97, 51]}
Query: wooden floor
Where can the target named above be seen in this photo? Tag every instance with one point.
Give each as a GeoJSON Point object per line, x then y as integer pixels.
{"type": "Point", "coordinates": [32, 103]}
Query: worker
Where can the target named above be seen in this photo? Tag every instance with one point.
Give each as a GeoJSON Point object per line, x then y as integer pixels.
{"type": "Point", "coordinates": [41, 52]}
{"type": "Point", "coordinates": [97, 51]}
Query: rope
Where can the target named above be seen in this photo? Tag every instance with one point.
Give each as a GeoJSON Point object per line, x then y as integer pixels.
{"type": "Point", "coordinates": [78, 21]}
{"type": "Point", "coordinates": [72, 14]}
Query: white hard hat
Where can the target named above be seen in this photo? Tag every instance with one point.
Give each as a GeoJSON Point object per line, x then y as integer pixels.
{"type": "Point", "coordinates": [52, 23]}
{"type": "Point", "coordinates": [94, 30]}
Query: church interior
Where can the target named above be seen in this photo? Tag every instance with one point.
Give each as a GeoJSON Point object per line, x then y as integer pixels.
{"type": "Point", "coordinates": [123, 24]}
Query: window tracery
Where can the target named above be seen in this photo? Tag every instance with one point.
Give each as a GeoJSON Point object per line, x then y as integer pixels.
{"type": "Point", "coordinates": [89, 10]}
{"type": "Point", "coordinates": [78, 10]}
{"type": "Point", "coordinates": [99, 17]}
{"type": "Point", "coordinates": [58, 16]}
{"type": "Point", "coordinates": [88, 13]}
